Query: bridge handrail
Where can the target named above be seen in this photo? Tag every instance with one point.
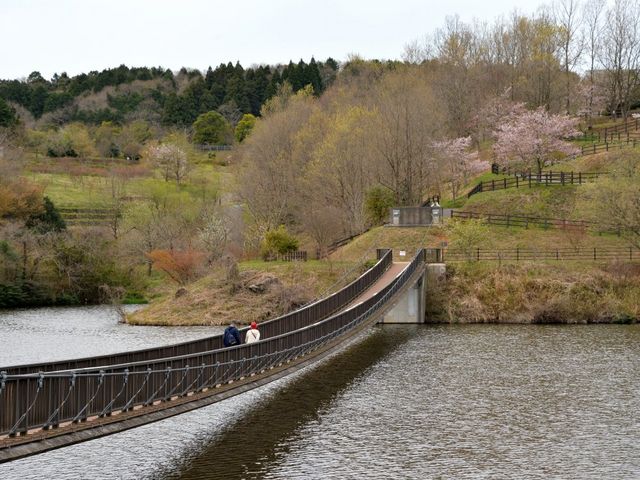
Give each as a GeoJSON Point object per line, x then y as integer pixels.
{"type": "Point", "coordinates": [106, 368]}
{"type": "Point", "coordinates": [306, 315]}
{"type": "Point", "coordinates": [49, 398]}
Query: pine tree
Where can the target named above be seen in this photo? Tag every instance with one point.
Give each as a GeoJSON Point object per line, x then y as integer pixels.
{"type": "Point", "coordinates": [272, 88]}
{"type": "Point", "coordinates": [7, 114]}
{"type": "Point", "coordinates": [209, 77]}
{"type": "Point", "coordinates": [312, 76]}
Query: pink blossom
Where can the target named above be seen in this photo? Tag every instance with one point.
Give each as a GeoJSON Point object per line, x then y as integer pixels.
{"type": "Point", "coordinates": [531, 139]}
{"type": "Point", "coordinates": [457, 163]}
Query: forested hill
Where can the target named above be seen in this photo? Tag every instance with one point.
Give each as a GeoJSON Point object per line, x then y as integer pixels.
{"type": "Point", "coordinates": [154, 94]}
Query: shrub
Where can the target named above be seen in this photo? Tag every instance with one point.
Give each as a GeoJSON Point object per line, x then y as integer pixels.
{"type": "Point", "coordinates": [48, 220]}
{"type": "Point", "coordinates": [244, 127]}
{"type": "Point", "coordinates": [211, 128]}
{"type": "Point", "coordinates": [181, 266]}
{"type": "Point", "coordinates": [467, 235]}
{"type": "Point", "coordinates": [377, 204]}
{"type": "Point", "coordinates": [278, 242]}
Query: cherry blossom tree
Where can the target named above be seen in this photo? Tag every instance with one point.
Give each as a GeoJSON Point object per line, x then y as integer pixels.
{"type": "Point", "coordinates": [172, 161]}
{"type": "Point", "coordinates": [494, 112]}
{"type": "Point", "coordinates": [457, 163]}
{"type": "Point", "coordinates": [531, 139]}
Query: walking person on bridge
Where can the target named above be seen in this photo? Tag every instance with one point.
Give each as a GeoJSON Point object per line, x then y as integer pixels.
{"type": "Point", "coordinates": [231, 336]}
{"type": "Point", "coordinates": [253, 334]}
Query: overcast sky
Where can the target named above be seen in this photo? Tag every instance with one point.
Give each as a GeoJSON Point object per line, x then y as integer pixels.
{"type": "Point", "coordinates": [82, 35]}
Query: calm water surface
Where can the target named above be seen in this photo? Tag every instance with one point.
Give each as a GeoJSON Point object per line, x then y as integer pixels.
{"type": "Point", "coordinates": [45, 334]}
{"type": "Point", "coordinates": [405, 402]}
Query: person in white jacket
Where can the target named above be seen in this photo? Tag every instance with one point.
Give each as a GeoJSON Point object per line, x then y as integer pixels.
{"type": "Point", "coordinates": [253, 334]}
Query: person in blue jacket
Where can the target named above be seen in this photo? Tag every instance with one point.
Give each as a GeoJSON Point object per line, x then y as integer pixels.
{"type": "Point", "coordinates": [231, 336]}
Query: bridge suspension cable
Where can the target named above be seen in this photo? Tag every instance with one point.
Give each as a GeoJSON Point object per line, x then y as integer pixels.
{"type": "Point", "coordinates": [87, 394]}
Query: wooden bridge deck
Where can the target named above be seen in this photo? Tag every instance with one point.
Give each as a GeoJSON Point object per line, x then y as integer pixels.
{"type": "Point", "coordinates": [249, 370]}
{"type": "Point", "coordinates": [387, 277]}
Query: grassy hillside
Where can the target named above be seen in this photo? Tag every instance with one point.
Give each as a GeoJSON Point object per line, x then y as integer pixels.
{"type": "Point", "coordinates": [213, 300]}
{"type": "Point", "coordinates": [527, 292]}
{"type": "Point", "coordinates": [524, 292]}
{"type": "Point", "coordinates": [76, 183]}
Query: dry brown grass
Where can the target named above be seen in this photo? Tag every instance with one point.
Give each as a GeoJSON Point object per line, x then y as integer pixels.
{"type": "Point", "coordinates": [212, 300]}
{"type": "Point", "coordinates": [540, 293]}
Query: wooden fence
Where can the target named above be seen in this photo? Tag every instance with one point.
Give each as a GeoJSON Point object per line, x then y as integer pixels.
{"type": "Point", "coordinates": [100, 162]}
{"type": "Point", "coordinates": [526, 221]}
{"type": "Point", "coordinates": [628, 126]}
{"type": "Point", "coordinates": [79, 216]}
{"type": "Point", "coordinates": [214, 148]}
{"type": "Point", "coordinates": [608, 146]}
{"type": "Point", "coordinates": [527, 180]}
{"type": "Point", "coordinates": [297, 256]}
{"type": "Point", "coordinates": [559, 254]}
{"type": "Point", "coordinates": [337, 244]}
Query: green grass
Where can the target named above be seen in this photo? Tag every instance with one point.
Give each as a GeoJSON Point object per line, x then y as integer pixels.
{"type": "Point", "coordinates": [97, 191]}
{"type": "Point", "coordinates": [588, 163]}
{"type": "Point", "coordinates": [542, 201]}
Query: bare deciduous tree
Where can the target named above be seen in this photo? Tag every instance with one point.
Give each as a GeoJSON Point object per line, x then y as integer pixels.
{"type": "Point", "coordinates": [213, 233]}
{"type": "Point", "coordinates": [409, 118]}
{"type": "Point", "coordinates": [620, 53]}
{"type": "Point", "coordinates": [592, 25]}
{"type": "Point", "coordinates": [269, 179]}
{"type": "Point", "coordinates": [567, 17]}
{"type": "Point", "coordinates": [339, 169]}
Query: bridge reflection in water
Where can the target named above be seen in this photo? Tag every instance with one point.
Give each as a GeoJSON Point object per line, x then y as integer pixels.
{"type": "Point", "coordinates": [51, 405]}
{"type": "Point", "coordinates": [275, 421]}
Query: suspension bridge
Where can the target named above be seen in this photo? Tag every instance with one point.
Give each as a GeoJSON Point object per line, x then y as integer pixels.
{"type": "Point", "coordinates": [52, 405]}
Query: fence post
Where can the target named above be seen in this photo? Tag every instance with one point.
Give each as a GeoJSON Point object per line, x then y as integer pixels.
{"type": "Point", "coordinates": [631, 248]}
{"type": "Point", "coordinates": [478, 254]}
{"type": "Point", "coordinates": [493, 185]}
{"type": "Point", "coordinates": [517, 254]}
{"type": "Point", "coordinates": [594, 253]}
{"type": "Point", "coordinates": [580, 178]}
{"type": "Point", "coordinates": [517, 185]}
{"type": "Point", "coordinates": [562, 178]}
{"type": "Point", "coordinates": [505, 183]}
{"type": "Point", "coordinates": [606, 146]}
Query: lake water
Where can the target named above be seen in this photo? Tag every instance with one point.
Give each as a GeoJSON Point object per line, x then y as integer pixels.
{"type": "Point", "coordinates": [46, 334]}
{"type": "Point", "coordinates": [483, 401]}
